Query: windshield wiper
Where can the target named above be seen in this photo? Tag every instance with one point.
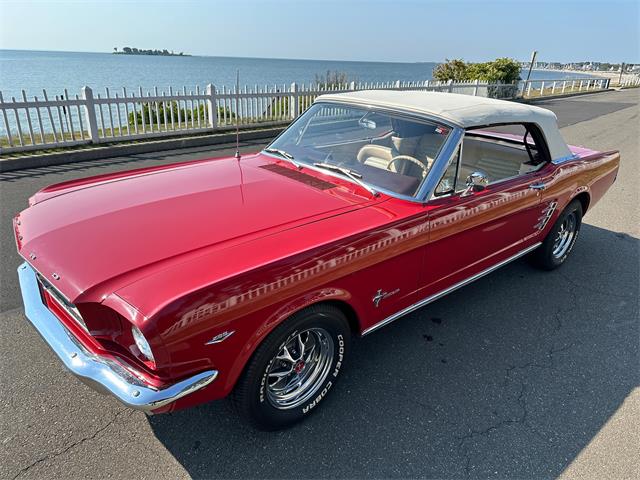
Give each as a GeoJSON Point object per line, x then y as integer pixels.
{"type": "Point", "coordinates": [283, 154]}
{"type": "Point", "coordinates": [353, 175]}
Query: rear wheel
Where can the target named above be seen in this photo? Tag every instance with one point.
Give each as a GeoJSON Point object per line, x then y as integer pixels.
{"type": "Point", "coordinates": [560, 240]}
{"type": "Point", "coordinates": [294, 369]}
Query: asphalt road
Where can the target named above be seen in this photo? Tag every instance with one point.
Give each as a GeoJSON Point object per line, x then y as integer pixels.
{"type": "Point", "coordinates": [523, 374]}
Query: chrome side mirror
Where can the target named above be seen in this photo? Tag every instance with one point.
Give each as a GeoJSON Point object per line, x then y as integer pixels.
{"type": "Point", "coordinates": [476, 182]}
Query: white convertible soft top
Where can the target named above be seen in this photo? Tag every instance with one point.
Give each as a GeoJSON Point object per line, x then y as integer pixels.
{"type": "Point", "coordinates": [462, 110]}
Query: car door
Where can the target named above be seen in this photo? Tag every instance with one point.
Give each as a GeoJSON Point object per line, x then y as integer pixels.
{"type": "Point", "coordinates": [473, 231]}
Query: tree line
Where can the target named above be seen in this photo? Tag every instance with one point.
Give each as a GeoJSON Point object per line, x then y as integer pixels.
{"type": "Point", "coordinates": [140, 51]}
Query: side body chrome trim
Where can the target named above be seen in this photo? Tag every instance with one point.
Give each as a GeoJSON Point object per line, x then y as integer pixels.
{"type": "Point", "coordinates": [446, 291]}
{"type": "Point", "coordinates": [102, 374]}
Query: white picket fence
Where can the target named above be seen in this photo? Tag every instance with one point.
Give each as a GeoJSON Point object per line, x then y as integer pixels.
{"type": "Point", "coordinates": [533, 88]}
{"type": "Point", "coordinates": [62, 121]}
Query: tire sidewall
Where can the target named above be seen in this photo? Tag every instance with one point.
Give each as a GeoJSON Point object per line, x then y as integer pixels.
{"type": "Point", "coordinates": [264, 412]}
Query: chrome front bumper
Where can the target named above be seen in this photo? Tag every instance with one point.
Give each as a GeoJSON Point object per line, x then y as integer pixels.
{"type": "Point", "coordinates": [102, 374]}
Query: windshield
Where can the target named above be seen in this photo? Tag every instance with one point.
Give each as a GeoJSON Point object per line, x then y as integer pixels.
{"type": "Point", "coordinates": [372, 148]}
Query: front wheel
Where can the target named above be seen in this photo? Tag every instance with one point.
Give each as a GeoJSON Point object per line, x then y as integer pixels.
{"type": "Point", "coordinates": [560, 240]}
{"type": "Point", "coordinates": [294, 369]}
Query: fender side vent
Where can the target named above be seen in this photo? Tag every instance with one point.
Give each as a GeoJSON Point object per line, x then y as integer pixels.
{"type": "Point", "coordinates": [299, 176]}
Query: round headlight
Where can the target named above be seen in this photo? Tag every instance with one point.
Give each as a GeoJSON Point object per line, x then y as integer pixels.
{"type": "Point", "coordinates": [142, 343]}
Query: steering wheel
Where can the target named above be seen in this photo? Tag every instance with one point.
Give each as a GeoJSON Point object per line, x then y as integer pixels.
{"type": "Point", "coordinates": [409, 158]}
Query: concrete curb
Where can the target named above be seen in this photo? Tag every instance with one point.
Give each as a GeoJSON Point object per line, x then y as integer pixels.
{"type": "Point", "coordinates": [121, 150]}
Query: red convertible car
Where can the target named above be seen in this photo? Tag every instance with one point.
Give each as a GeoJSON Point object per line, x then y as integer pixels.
{"type": "Point", "coordinates": [171, 286]}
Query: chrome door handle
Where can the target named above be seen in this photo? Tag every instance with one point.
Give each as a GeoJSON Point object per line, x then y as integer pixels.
{"type": "Point", "coordinates": [537, 186]}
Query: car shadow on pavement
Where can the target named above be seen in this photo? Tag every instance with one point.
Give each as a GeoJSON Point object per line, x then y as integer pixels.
{"type": "Point", "coordinates": [511, 376]}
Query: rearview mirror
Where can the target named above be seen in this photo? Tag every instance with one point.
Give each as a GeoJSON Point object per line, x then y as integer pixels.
{"type": "Point", "coordinates": [366, 123]}
{"type": "Point", "coordinates": [476, 182]}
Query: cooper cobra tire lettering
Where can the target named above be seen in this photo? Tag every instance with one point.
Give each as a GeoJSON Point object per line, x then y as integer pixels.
{"type": "Point", "coordinates": [336, 371]}
{"type": "Point", "coordinates": [340, 355]}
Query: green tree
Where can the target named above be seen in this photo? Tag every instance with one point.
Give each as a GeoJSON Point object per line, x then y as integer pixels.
{"type": "Point", "coordinates": [503, 70]}
{"type": "Point", "coordinates": [455, 70]}
{"type": "Point", "coordinates": [499, 71]}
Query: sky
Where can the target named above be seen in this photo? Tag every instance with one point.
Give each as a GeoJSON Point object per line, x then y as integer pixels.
{"type": "Point", "coordinates": [368, 30]}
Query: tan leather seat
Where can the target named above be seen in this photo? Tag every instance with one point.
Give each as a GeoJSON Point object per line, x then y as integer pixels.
{"type": "Point", "coordinates": [497, 160]}
{"type": "Point", "coordinates": [375, 156]}
{"type": "Point", "coordinates": [423, 148]}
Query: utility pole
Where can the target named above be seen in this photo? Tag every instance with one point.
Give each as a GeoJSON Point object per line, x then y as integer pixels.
{"type": "Point", "coordinates": [621, 70]}
{"type": "Point", "coordinates": [533, 59]}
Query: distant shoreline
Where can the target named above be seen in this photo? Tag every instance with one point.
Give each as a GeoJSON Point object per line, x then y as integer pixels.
{"type": "Point", "coordinates": [153, 54]}
{"type": "Point", "coordinates": [149, 52]}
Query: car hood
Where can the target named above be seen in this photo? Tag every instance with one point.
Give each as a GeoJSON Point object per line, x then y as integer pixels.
{"type": "Point", "coordinates": [94, 236]}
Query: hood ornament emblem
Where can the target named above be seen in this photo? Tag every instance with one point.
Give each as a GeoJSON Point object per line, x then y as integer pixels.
{"type": "Point", "coordinates": [221, 337]}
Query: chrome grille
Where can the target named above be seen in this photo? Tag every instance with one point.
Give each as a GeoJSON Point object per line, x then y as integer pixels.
{"type": "Point", "coordinates": [67, 306]}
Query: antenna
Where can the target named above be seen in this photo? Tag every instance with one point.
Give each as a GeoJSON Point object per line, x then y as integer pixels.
{"type": "Point", "coordinates": [237, 115]}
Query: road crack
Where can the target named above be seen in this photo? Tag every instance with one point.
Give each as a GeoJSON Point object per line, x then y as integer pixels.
{"type": "Point", "coordinates": [592, 289]}
{"type": "Point", "coordinates": [547, 362]}
{"type": "Point", "coordinates": [73, 445]}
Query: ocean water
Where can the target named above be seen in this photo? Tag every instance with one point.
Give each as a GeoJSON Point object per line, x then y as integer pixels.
{"type": "Point", "coordinates": [34, 71]}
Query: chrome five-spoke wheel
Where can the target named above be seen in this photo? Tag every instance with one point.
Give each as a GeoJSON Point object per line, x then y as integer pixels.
{"type": "Point", "coordinates": [300, 368]}
{"type": "Point", "coordinates": [565, 235]}
{"type": "Point", "coordinates": [295, 368]}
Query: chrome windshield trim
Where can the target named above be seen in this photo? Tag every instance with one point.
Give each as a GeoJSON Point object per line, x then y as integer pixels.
{"type": "Point", "coordinates": [440, 165]}
{"type": "Point", "coordinates": [446, 291]}
{"type": "Point", "coordinates": [100, 373]}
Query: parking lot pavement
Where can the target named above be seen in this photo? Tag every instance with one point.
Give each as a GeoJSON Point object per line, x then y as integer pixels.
{"type": "Point", "coordinates": [523, 374]}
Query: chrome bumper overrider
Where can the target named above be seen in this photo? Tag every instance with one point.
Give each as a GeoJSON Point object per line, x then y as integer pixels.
{"type": "Point", "coordinates": [102, 374]}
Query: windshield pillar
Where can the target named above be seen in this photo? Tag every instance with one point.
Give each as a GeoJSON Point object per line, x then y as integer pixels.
{"type": "Point", "coordinates": [440, 165]}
